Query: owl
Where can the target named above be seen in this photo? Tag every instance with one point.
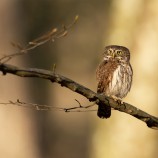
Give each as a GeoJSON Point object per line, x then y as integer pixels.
{"type": "Point", "coordinates": [114, 76]}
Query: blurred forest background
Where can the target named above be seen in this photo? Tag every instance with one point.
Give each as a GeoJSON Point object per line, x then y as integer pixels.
{"type": "Point", "coordinates": [28, 133]}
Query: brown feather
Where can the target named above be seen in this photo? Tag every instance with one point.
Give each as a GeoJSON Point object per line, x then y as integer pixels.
{"type": "Point", "coordinates": [114, 76]}
{"type": "Point", "coordinates": [104, 75]}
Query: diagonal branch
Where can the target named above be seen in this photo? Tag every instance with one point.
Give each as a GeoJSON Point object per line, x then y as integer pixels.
{"type": "Point", "coordinates": [150, 120]}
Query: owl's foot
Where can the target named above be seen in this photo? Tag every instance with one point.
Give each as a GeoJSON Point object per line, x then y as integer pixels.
{"type": "Point", "coordinates": [116, 99]}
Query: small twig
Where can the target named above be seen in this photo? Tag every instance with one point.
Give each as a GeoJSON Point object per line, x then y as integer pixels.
{"type": "Point", "coordinates": [47, 107]}
{"type": "Point", "coordinates": [54, 68]}
{"type": "Point", "coordinates": [78, 103]}
{"type": "Point", "coordinates": [50, 36]}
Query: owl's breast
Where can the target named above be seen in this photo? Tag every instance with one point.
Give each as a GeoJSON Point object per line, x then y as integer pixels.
{"type": "Point", "coordinates": [120, 81]}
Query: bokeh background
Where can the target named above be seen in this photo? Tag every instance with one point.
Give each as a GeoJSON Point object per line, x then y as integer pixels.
{"type": "Point", "coordinates": [37, 134]}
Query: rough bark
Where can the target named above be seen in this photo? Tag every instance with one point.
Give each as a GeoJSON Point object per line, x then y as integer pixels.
{"type": "Point", "coordinates": [150, 120]}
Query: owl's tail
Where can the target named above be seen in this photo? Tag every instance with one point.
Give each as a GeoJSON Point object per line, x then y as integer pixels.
{"type": "Point", "coordinates": [104, 111]}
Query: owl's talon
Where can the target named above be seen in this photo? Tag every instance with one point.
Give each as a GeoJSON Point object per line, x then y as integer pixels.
{"type": "Point", "coordinates": [116, 99]}
{"type": "Point", "coordinates": [120, 102]}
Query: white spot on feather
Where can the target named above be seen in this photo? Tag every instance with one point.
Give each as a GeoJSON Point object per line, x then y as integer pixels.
{"type": "Point", "coordinates": [121, 82]}
{"type": "Point", "coordinates": [116, 78]}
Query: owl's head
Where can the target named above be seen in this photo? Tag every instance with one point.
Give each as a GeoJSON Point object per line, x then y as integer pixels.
{"type": "Point", "coordinates": [115, 52]}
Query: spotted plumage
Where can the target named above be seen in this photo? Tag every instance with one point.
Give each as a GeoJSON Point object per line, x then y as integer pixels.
{"type": "Point", "coordinates": [114, 76]}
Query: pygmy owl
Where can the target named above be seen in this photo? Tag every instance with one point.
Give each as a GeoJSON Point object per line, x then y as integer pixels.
{"type": "Point", "coordinates": [114, 76]}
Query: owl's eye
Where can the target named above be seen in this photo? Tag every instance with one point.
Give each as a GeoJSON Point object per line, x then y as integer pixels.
{"type": "Point", "coordinates": [109, 52]}
{"type": "Point", "coordinates": [119, 52]}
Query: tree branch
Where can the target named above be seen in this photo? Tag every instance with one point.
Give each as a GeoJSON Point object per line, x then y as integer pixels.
{"type": "Point", "coordinates": [51, 35]}
{"type": "Point", "coordinates": [42, 107]}
{"type": "Point", "coordinates": [150, 120]}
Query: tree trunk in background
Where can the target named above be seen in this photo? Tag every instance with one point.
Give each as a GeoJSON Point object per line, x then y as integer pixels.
{"type": "Point", "coordinates": [35, 134]}
{"type": "Point", "coordinates": [133, 24]}
{"type": "Point", "coordinates": [60, 134]}
{"type": "Point", "coordinates": [17, 137]}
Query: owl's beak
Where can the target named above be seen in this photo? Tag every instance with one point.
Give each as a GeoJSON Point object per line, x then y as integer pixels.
{"type": "Point", "coordinates": [113, 55]}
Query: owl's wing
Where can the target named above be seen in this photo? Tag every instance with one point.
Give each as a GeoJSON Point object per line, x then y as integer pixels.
{"type": "Point", "coordinates": [104, 74]}
{"type": "Point", "coordinates": [103, 77]}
